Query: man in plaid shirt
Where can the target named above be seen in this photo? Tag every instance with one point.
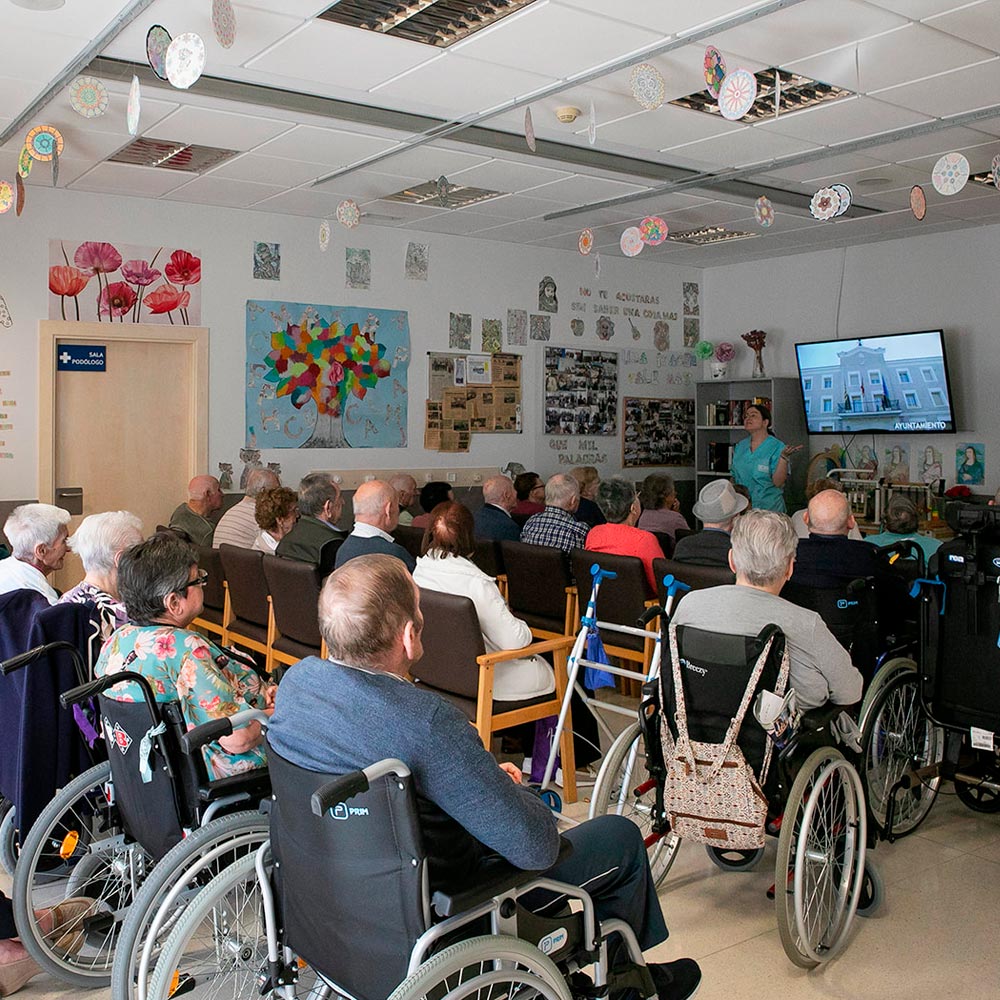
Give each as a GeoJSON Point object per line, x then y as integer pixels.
{"type": "Point", "coordinates": [556, 526]}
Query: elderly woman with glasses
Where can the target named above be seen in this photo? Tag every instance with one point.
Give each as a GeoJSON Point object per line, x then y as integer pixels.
{"type": "Point", "coordinates": [161, 585]}
{"type": "Point", "coordinates": [619, 504]}
{"type": "Point", "coordinates": [99, 542]}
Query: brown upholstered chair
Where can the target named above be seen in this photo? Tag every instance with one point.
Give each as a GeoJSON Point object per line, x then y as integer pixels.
{"type": "Point", "coordinates": [621, 601]}
{"type": "Point", "coordinates": [456, 666]}
{"type": "Point", "coordinates": [696, 577]}
{"type": "Point", "coordinates": [489, 559]}
{"type": "Point", "coordinates": [539, 588]}
{"type": "Point", "coordinates": [666, 543]}
{"type": "Point", "coordinates": [293, 624]}
{"type": "Point", "coordinates": [409, 537]}
{"type": "Point", "coordinates": [247, 612]}
{"type": "Point", "coordinates": [213, 613]}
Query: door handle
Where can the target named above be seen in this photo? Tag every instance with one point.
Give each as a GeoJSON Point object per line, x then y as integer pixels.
{"type": "Point", "coordinates": [70, 498]}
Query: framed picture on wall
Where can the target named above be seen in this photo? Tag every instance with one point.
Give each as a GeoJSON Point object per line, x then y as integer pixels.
{"type": "Point", "coordinates": [658, 432]}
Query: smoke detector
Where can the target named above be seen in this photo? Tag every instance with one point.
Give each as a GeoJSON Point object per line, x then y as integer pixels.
{"type": "Point", "coordinates": [568, 115]}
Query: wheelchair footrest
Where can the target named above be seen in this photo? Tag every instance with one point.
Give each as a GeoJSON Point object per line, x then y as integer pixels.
{"type": "Point", "coordinates": [632, 976]}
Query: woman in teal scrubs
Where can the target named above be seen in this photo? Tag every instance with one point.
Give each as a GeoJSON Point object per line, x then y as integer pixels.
{"type": "Point", "coordinates": [760, 461]}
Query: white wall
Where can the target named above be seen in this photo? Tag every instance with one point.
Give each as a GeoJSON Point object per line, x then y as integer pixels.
{"type": "Point", "coordinates": [484, 278]}
{"type": "Point", "coordinates": [948, 281]}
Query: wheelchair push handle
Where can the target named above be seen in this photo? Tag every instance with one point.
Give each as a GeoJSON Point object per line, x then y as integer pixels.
{"type": "Point", "coordinates": [23, 659]}
{"type": "Point", "coordinates": [83, 693]}
{"type": "Point", "coordinates": [209, 732]}
{"type": "Point", "coordinates": [346, 786]}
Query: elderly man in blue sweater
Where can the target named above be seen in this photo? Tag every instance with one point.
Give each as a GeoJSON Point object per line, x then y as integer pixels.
{"type": "Point", "coordinates": [358, 706]}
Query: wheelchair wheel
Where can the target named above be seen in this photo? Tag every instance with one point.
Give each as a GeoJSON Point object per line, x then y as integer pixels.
{"type": "Point", "coordinates": [178, 877]}
{"type": "Point", "coordinates": [8, 836]}
{"type": "Point", "coordinates": [893, 668]}
{"type": "Point", "coordinates": [734, 861]}
{"type": "Point", "coordinates": [77, 846]}
{"type": "Point", "coordinates": [821, 858]}
{"type": "Point", "coordinates": [872, 891]}
{"type": "Point", "coordinates": [897, 736]}
{"type": "Point", "coordinates": [485, 967]}
{"type": "Point", "coordinates": [623, 787]}
{"type": "Point", "coordinates": [978, 797]}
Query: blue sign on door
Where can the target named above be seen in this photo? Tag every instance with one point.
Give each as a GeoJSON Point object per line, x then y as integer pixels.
{"type": "Point", "coordinates": [82, 358]}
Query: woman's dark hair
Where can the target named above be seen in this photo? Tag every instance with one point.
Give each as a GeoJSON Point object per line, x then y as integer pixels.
{"type": "Point", "coordinates": [150, 571]}
{"type": "Point", "coordinates": [525, 483]}
{"type": "Point", "coordinates": [451, 531]}
{"type": "Point", "coordinates": [655, 490]}
{"type": "Point", "coordinates": [431, 494]}
{"type": "Point", "coordinates": [765, 414]}
{"type": "Point", "coordinates": [270, 506]}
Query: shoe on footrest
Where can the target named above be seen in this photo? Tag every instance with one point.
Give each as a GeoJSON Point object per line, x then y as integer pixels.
{"type": "Point", "coordinates": [676, 980]}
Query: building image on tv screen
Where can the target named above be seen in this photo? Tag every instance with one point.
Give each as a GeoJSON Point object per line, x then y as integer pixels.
{"type": "Point", "coordinates": [891, 384]}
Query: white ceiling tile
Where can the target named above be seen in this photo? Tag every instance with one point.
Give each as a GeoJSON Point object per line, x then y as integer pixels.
{"type": "Point", "coordinates": [60, 113]}
{"type": "Point", "coordinates": [269, 170]}
{"type": "Point", "coordinates": [951, 93]}
{"type": "Point", "coordinates": [82, 143]}
{"type": "Point", "coordinates": [70, 169]}
{"type": "Point", "coordinates": [630, 213]}
{"type": "Point", "coordinates": [205, 127]}
{"type": "Point", "coordinates": [979, 157]}
{"type": "Point", "coordinates": [19, 51]}
{"type": "Point", "coordinates": [323, 145]}
{"type": "Point", "coordinates": [666, 16]}
{"type": "Point", "coordinates": [401, 211]}
{"type": "Point", "coordinates": [843, 121]}
{"type": "Point", "coordinates": [368, 185]}
{"type": "Point", "coordinates": [579, 189]}
{"type": "Point", "coordinates": [126, 179]}
{"type": "Point", "coordinates": [507, 175]}
{"type": "Point", "coordinates": [517, 207]}
{"type": "Point", "coordinates": [664, 128]}
{"type": "Point", "coordinates": [565, 45]}
{"type": "Point", "coordinates": [524, 232]}
{"type": "Point", "coordinates": [340, 56]}
{"type": "Point", "coordinates": [746, 146]}
{"type": "Point", "coordinates": [82, 21]}
{"type": "Point", "coordinates": [301, 201]}
{"type": "Point", "coordinates": [429, 162]}
{"type": "Point", "coordinates": [843, 163]}
{"type": "Point", "coordinates": [223, 191]}
{"type": "Point", "coordinates": [459, 222]}
{"type": "Point", "coordinates": [933, 144]}
{"type": "Point", "coordinates": [977, 22]}
{"type": "Point", "coordinates": [794, 33]}
{"type": "Point", "coordinates": [465, 85]}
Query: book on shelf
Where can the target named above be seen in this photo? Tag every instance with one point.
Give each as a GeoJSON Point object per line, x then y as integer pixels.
{"type": "Point", "coordinates": [720, 456]}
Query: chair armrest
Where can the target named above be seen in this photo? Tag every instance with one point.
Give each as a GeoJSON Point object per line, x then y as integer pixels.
{"type": "Point", "coordinates": [546, 646]}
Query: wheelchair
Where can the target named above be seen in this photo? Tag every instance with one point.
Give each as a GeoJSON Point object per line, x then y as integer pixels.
{"type": "Point", "coordinates": [939, 719]}
{"type": "Point", "coordinates": [816, 802]}
{"type": "Point", "coordinates": [338, 904]}
{"type": "Point", "coordinates": [144, 828]}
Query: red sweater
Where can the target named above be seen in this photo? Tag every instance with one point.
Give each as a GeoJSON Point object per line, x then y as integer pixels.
{"type": "Point", "coordinates": [622, 540]}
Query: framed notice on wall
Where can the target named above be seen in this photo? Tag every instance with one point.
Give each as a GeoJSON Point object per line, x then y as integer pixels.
{"type": "Point", "coordinates": [658, 432]}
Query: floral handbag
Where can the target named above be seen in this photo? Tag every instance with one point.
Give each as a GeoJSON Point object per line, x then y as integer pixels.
{"type": "Point", "coordinates": [712, 795]}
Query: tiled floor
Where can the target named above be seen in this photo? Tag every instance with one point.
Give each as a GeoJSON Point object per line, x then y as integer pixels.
{"type": "Point", "coordinates": [934, 939]}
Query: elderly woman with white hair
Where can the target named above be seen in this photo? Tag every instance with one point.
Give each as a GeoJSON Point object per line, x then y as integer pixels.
{"type": "Point", "coordinates": [99, 541]}
{"type": "Point", "coordinates": [37, 535]}
{"type": "Point", "coordinates": [762, 556]}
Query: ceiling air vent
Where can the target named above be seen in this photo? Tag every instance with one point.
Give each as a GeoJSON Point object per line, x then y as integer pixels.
{"type": "Point", "coordinates": [442, 194]}
{"type": "Point", "coordinates": [431, 22]}
{"type": "Point", "coordinates": [708, 235]}
{"type": "Point", "coordinates": [172, 155]}
{"type": "Point", "coordinates": [796, 93]}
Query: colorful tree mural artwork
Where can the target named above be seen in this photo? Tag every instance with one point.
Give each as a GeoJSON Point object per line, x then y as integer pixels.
{"type": "Point", "coordinates": [325, 363]}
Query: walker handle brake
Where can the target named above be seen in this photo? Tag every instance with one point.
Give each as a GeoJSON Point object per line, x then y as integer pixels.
{"type": "Point", "coordinates": [602, 574]}
{"type": "Point", "coordinates": [673, 585]}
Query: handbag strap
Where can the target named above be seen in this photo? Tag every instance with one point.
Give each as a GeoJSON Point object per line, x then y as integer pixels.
{"type": "Point", "coordinates": [683, 738]}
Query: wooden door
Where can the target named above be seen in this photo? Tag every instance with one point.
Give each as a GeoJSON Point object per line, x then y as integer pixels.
{"type": "Point", "coordinates": [131, 436]}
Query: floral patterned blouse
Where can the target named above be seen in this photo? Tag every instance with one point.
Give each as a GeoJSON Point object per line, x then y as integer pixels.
{"type": "Point", "coordinates": [182, 666]}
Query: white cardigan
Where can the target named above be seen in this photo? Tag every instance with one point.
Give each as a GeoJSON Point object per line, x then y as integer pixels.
{"type": "Point", "coordinates": [514, 680]}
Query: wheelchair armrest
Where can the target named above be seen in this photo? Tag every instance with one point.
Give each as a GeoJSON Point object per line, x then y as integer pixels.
{"type": "Point", "coordinates": [498, 876]}
{"type": "Point", "coordinates": [256, 784]}
{"type": "Point", "coordinates": [23, 659]}
{"type": "Point", "coordinates": [209, 732]}
{"type": "Point", "coordinates": [821, 717]}
{"type": "Point", "coordinates": [78, 695]}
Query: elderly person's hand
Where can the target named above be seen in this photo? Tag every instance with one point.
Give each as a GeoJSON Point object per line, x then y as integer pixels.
{"type": "Point", "coordinates": [243, 740]}
{"type": "Point", "coordinates": [513, 770]}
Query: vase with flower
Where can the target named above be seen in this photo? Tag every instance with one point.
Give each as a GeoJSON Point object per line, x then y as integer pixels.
{"type": "Point", "coordinates": [724, 353]}
{"type": "Point", "coordinates": [755, 341]}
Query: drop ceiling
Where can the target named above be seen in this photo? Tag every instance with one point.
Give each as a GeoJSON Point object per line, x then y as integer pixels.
{"type": "Point", "coordinates": [304, 100]}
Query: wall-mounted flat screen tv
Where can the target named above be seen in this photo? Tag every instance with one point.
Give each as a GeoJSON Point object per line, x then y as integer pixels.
{"type": "Point", "coordinates": [891, 384]}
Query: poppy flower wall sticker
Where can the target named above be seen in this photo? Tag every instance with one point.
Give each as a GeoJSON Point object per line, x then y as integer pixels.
{"type": "Point", "coordinates": [124, 284]}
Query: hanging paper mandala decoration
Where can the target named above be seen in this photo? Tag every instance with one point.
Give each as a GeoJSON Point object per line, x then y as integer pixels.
{"type": "Point", "coordinates": [763, 212]}
{"type": "Point", "coordinates": [19, 207]}
{"type": "Point", "coordinates": [185, 60]}
{"type": "Point", "coordinates": [737, 94]}
{"type": "Point", "coordinates": [157, 42]}
{"type": "Point", "coordinates": [631, 242]}
{"type": "Point", "coordinates": [224, 23]}
{"type": "Point", "coordinates": [648, 87]}
{"type": "Point", "coordinates": [597, 264]}
{"type": "Point", "coordinates": [529, 129]}
{"type": "Point", "coordinates": [134, 109]}
{"type": "Point", "coordinates": [88, 97]}
{"type": "Point", "coordinates": [44, 142]}
{"type": "Point", "coordinates": [24, 162]}
{"type": "Point", "coordinates": [715, 70]}
{"type": "Point", "coordinates": [846, 197]}
{"type": "Point", "coordinates": [6, 197]}
{"type": "Point", "coordinates": [653, 230]}
{"type": "Point", "coordinates": [918, 202]}
{"type": "Point", "coordinates": [950, 174]}
{"type": "Point", "coordinates": [825, 204]}
{"type": "Point", "coordinates": [324, 235]}
{"type": "Point", "coordinates": [592, 125]}
{"type": "Point", "coordinates": [586, 241]}
{"type": "Point", "coordinates": [348, 213]}
{"type": "Point", "coordinates": [995, 171]}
